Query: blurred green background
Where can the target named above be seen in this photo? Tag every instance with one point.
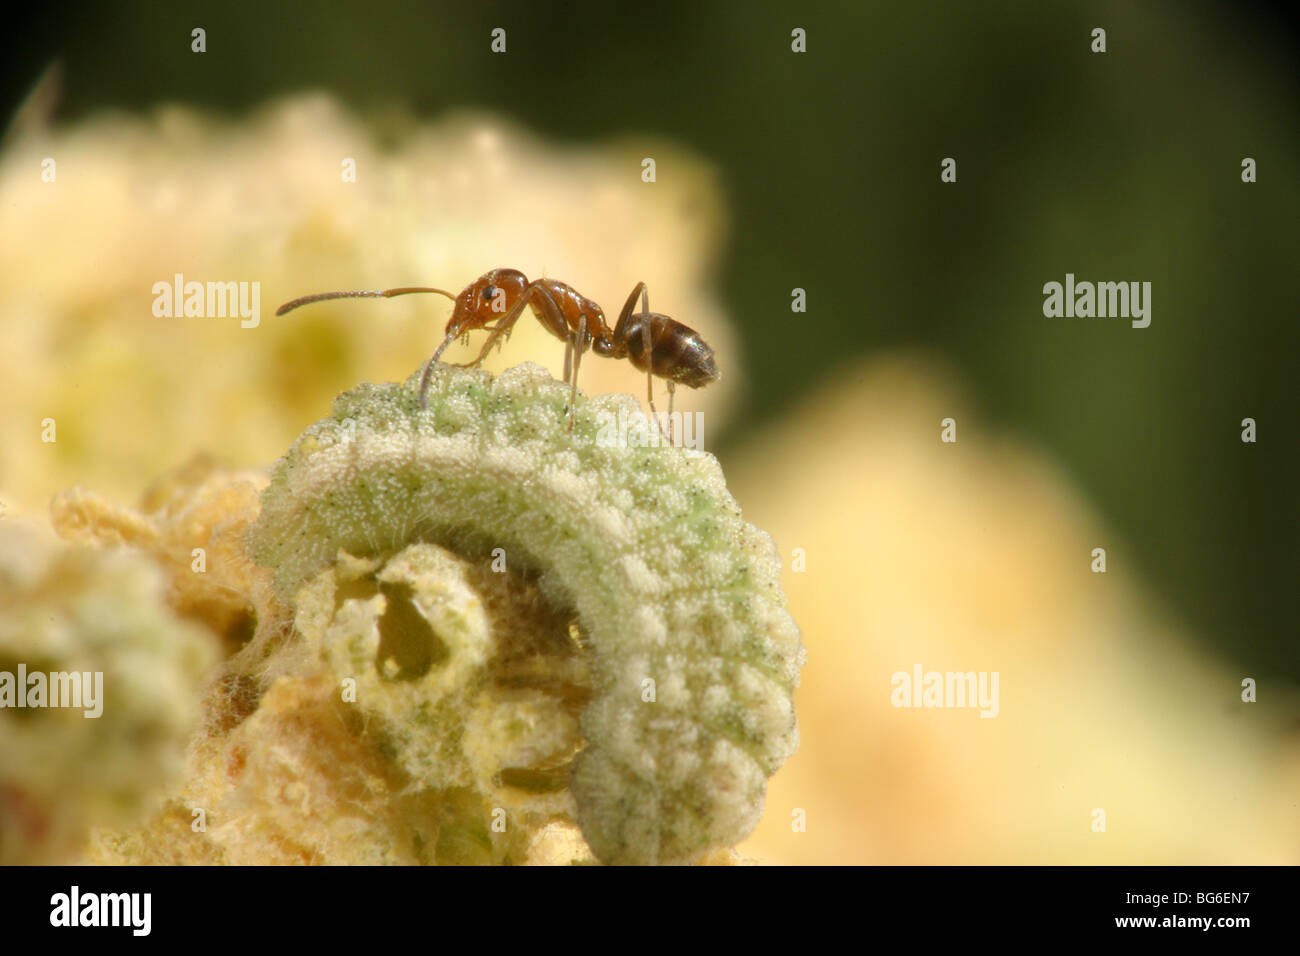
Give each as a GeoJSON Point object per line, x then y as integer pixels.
{"type": "Point", "coordinates": [1122, 166]}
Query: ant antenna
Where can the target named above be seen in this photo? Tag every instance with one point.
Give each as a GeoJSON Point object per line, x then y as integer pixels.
{"type": "Point", "coordinates": [380, 294]}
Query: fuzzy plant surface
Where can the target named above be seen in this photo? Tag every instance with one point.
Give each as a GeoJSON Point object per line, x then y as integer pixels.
{"type": "Point", "coordinates": [101, 616]}
{"type": "Point", "coordinates": [688, 656]}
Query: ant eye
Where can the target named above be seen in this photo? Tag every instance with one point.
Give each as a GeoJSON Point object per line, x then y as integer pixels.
{"type": "Point", "coordinates": [490, 292]}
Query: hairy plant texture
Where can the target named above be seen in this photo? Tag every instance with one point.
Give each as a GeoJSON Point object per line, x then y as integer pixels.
{"type": "Point", "coordinates": [72, 610]}
{"type": "Point", "coordinates": [689, 656]}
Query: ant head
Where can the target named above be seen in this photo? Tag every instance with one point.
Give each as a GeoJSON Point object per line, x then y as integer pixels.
{"type": "Point", "coordinates": [486, 299]}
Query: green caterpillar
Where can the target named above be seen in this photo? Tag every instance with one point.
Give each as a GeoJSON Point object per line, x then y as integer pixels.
{"type": "Point", "coordinates": [694, 657]}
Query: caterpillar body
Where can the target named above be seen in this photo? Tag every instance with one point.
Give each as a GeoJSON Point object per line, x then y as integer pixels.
{"type": "Point", "coordinates": [694, 658]}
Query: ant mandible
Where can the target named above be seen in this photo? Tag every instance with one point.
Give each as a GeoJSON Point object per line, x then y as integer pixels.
{"type": "Point", "coordinates": [656, 344]}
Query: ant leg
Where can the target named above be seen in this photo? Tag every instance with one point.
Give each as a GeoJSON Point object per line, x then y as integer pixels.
{"type": "Point", "coordinates": [672, 388]}
{"type": "Point", "coordinates": [649, 367]}
{"type": "Point", "coordinates": [579, 345]}
{"type": "Point", "coordinates": [620, 332]}
{"type": "Point", "coordinates": [620, 327]}
{"type": "Point", "coordinates": [428, 370]}
{"type": "Point", "coordinates": [424, 384]}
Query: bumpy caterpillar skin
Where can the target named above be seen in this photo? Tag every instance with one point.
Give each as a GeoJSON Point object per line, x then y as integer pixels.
{"type": "Point", "coordinates": [694, 657]}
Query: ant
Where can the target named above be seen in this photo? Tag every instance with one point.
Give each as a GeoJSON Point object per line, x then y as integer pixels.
{"type": "Point", "coordinates": [654, 343]}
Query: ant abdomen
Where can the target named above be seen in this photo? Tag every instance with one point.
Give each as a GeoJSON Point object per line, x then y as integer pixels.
{"type": "Point", "coordinates": [677, 353]}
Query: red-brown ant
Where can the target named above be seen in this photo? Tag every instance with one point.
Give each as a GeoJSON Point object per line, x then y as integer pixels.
{"type": "Point", "coordinates": [652, 342]}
